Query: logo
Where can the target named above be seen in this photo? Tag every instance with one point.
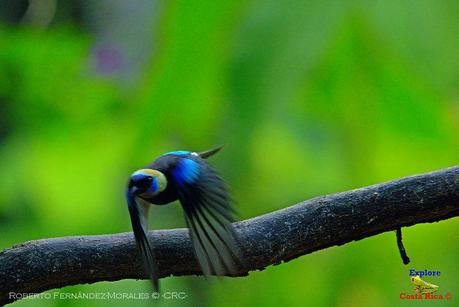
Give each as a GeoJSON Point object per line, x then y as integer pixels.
{"type": "Point", "coordinates": [424, 290]}
{"type": "Point", "coordinates": [423, 286]}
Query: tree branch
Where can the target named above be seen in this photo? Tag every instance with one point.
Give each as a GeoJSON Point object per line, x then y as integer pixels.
{"type": "Point", "coordinates": [282, 235]}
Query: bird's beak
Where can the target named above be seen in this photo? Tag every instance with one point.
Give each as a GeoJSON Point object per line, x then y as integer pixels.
{"type": "Point", "coordinates": [131, 193]}
{"type": "Point", "coordinates": [131, 188]}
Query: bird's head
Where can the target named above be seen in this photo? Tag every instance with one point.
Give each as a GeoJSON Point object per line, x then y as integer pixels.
{"type": "Point", "coordinates": [147, 183]}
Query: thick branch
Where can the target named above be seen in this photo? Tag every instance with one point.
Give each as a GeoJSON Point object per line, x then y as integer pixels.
{"type": "Point", "coordinates": [312, 225]}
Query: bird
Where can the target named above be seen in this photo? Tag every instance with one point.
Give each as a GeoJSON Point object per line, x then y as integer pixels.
{"type": "Point", "coordinates": [186, 176]}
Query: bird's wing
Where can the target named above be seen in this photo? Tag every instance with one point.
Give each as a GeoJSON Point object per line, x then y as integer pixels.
{"type": "Point", "coordinates": [139, 221]}
{"type": "Point", "coordinates": [208, 214]}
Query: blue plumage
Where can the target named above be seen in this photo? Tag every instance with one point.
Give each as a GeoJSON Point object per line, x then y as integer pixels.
{"type": "Point", "coordinates": [178, 153]}
{"type": "Point", "coordinates": [154, 185]}
{"type": "Point", "coordinates": [187, 171]}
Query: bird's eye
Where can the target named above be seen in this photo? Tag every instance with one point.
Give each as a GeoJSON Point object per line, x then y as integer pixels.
{"type": "Point", "coordinates": [149, 179]}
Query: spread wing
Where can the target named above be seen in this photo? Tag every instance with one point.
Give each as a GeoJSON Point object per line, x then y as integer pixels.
{"type": "Point", "coordinates": [139, 220]}
{"type": "Point", "coordinates": [208, 214]}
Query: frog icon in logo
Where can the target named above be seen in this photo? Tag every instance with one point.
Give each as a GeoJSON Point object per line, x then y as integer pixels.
{"type": "Point", "coordinates": [422, 286]}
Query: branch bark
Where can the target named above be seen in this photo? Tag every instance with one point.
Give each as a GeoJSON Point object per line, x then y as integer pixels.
{"type": "Point", "coordinates": [269, 239]}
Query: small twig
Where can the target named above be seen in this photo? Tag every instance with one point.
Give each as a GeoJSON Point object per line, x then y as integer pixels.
{"type": "Point", "coordinates": [401, 248]}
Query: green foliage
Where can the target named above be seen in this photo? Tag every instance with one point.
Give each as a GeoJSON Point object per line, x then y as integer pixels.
{"type": "Point", "coordinates": [309, 97]}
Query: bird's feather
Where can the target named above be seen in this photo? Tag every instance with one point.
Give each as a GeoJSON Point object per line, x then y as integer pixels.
{"type": "Point", "coordinates": [208, 214]}
{"type": "Point", "coordinates": [208, 153]}
{"type": "Point", "coordinates": [187, 171]}
{"type": "Point", "coordinates": [177, 153]}
{"type": "Point", "coordinates": [139, 221]}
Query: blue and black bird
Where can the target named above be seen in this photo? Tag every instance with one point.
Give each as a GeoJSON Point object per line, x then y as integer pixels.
{"type": "Point", "coordinates": [186, 176]}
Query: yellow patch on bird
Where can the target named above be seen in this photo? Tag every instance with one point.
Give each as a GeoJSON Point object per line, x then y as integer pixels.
{"type": "Point", "coordinates": [162, 181]}
{"type": "Point", "coordinates": [149, 171]}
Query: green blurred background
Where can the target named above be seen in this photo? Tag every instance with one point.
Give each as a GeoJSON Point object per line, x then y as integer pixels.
{"type": "Point", "coordinates": [309, 97]}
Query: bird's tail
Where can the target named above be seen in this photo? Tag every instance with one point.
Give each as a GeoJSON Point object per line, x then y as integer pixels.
{"type": "Point", "coordinates": [209, 153]}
